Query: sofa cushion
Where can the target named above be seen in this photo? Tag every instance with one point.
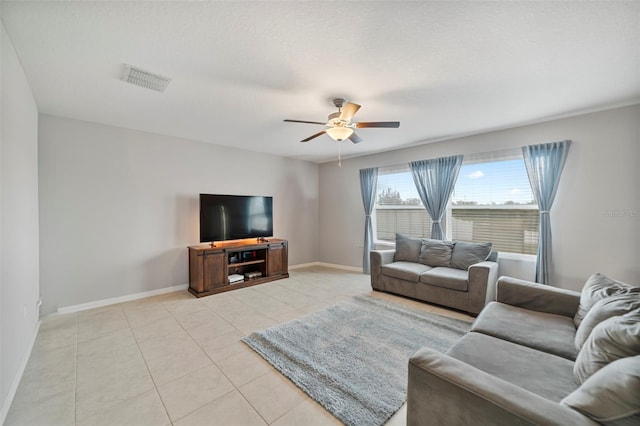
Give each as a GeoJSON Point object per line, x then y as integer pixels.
{"type": "Point", "coordinates": [407, 248]}
{"type": "Point", "coordinates": [453, 279]}
{"type": "Point", "coordinates": [436, 252]}
{"type": "Point", "coordinates": [408, 271]}
{"type": "Point", "coordinates": [544, 374]}
{"type": "Point", "coordinates": [612, 339]}
{"type": "Point", "coordinates": [549, 333]}
{"type": "Point", "coordinates": [608, 307]}
{"type": "Point", "coordinates": [466, 254]}
{"type": "Point", "coordinates": [597, 288]}
{"type": "Point", "coordinates": [612, 393]}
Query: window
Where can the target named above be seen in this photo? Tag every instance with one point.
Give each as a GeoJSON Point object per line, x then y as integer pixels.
{"type": "Point", "coordinates": [492, 201]}
{"type": "Point", "coordinates": [398, 206]}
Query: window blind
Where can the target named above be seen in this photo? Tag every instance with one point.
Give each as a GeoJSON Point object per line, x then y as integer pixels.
{"type": "Point", "coordinates": [492, 202]}
{"type": "Point", "coordinates": [398, 205]}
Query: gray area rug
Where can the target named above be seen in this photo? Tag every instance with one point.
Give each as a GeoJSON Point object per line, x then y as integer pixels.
{"type": "Point", "coordinates": [352, 357]}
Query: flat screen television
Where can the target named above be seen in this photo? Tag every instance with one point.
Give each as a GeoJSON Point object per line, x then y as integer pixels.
{"type": "Point", "coordinates": [234, 217]}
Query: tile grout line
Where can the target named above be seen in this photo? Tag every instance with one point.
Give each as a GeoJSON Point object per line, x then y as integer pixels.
{"type": "Point", "coordinates": [212, 361]}
{"type": "Point", "coordinates": [306, 398]}
{"type": "Point", "coordinates": [99, 337]}
{"type": "Point", "coordinates": [299, 309]}
{"type": "Point", "coordinates": [268, 372]}
{"type": "Point", "coordinates": [307, 284]}
{"type": "Point", "coordinates": [155, 385]}
{"type": "Point", "coordinates": [249, 402]}
{"type": "Point", "coordinates": [235, 388]}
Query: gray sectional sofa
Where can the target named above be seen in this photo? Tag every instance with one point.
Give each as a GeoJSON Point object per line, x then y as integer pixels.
{"type": "Point", "coordinates": [455, 274]}
{"type": "Point", "coordinates": [539, 355]}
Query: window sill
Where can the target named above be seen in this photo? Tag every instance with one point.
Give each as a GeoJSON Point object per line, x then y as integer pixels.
{"type": "Point", "coordinates": [382, 244]}
{"type": "Point", "coordinates": [516, 256]}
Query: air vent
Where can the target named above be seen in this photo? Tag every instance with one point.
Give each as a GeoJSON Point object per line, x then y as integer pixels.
{"type": "Point", "coordinates": [143, 78]}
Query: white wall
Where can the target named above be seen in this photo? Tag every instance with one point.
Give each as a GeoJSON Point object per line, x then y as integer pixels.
{"type": "Point", "coordinates": [18, 221]}
{"type": "Point", "coordinates": [596, 216]}
{"type": "Point", "coordinates": [119, 207]}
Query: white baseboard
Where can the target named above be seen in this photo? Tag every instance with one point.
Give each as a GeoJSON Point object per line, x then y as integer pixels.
{"type": "Point", "coordinates": [121, 299]}
{"type": "Point", "coordinates": [302, 265]}
{"type": "Point", "coordinates": [327, 265]}
{"type": "Point", "coordinates": [6, 405]}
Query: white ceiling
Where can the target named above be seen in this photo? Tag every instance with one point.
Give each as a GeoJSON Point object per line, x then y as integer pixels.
{"type": "Point", "coordinates": [239, 68]}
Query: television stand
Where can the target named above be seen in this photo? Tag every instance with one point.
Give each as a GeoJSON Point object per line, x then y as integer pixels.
{"type": "Point", "coordinates": [258, 262]}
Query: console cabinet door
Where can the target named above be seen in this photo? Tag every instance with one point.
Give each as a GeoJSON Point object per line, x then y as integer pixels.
{"type": "Point", "coordinates": [214, 270]}
{"type": "Point", "coordinates": [277, 259]}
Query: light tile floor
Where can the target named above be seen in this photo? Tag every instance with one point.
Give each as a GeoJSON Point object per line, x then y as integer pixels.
{"type": "Point", "coordinates": [178, 360]}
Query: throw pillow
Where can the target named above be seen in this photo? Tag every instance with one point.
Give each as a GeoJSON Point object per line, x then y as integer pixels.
{"type": "Point", "coordinates": [596, 288]}
{"type": "Point", "coordinates": [608, 307]}
{"type": "Point", "coordinates": [612, 339]}
{"type": "Point", "coordinates": [611, 393]}
{"type": "Point", "coordinates": [436, 252]}
{"type": "Point", "coordinates": [466, 254]}
{"type": "Point", "coordinates": [407, 248]}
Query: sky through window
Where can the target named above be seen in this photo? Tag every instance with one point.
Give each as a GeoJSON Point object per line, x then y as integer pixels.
{"type": "Point", "coordinates": [482, 183]}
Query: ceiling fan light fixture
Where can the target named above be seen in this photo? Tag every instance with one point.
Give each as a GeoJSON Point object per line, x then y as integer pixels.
{"type": "Point", "coordinates": [339, 125]}
{"type": "Point", "coordinates": [339, 133]}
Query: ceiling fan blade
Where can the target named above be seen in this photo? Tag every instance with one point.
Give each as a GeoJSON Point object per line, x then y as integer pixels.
{"type": "Point", "coordinates": [302, 121]}
{"type": "Point", "coordinates": [314, 136]}
{"type": "Point", "coordinates": [355, 138]}
{"type": "Point", "coordinates": [392, 124]}
{"type": "Point", "coordinates": [348, 111]}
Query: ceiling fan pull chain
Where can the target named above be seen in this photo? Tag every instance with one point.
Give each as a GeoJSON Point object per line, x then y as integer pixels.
{"type": "Point", "coordinates": [339, 155]}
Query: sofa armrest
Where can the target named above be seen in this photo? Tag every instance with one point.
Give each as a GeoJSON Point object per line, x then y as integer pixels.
{"type": "Point", "coordinates": [537, 297]}
{"type": "Point", "coordinates": [445, 391]}
{"type": "Point", "coordinates": [378, 258]}
{"type": "Point", "coordinates": [482, 285]}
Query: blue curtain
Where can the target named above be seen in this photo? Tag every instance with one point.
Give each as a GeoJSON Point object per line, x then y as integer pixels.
{"type": "Point", "coordinates": [544, 166]}
{"type": "Point", "coordinates": [434, 181]}
{"type": "Point", "coordinates": [368, 184]}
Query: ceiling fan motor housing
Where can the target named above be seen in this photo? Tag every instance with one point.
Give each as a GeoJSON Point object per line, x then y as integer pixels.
{"type": "Point", "coordinates": [334, 120]}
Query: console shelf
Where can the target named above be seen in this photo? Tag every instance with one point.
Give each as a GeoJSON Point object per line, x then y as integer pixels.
{"type": "Point", "coordinates": [252, 262]}
{"type": "Point", "coordinates": [210, 266]}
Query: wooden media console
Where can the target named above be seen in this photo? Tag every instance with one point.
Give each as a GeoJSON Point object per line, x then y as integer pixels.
{"type": "Point", "coordinates": [211, 266]}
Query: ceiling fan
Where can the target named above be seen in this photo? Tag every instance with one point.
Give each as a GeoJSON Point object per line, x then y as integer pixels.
{"type": "Point", "coordinates": [340, 126]}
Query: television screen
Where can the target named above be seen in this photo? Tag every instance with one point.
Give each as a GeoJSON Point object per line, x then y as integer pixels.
{"type": "Point", "coordinates": [234, 217]}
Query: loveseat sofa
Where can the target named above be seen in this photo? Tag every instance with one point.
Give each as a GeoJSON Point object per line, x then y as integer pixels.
{"type": "Point", "coordinates": [456, 274]}
{"type": "Point", "coordinates": [538, 355]}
